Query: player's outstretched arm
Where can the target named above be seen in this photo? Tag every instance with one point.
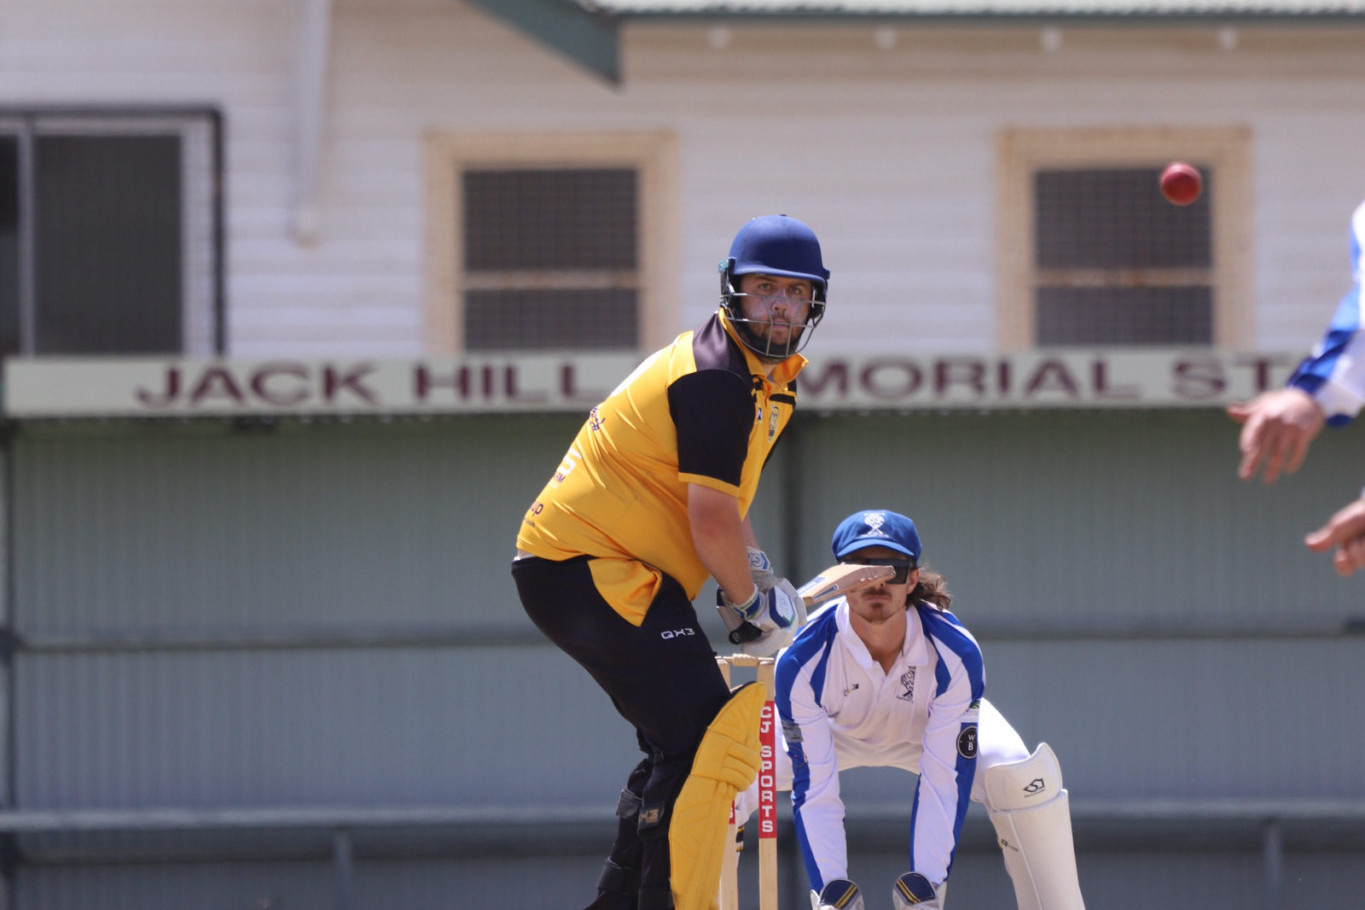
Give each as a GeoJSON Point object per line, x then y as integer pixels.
{"type": "Point", "coordinates": [1344, 532]}
{"type": "Point", "coordinates": [1277, 429]}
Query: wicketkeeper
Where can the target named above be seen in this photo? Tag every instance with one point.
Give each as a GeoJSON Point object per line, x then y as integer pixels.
{"type": "Point", "coordinates": [887, 677]}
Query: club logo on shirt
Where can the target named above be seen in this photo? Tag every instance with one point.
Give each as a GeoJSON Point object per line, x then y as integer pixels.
{"type": "Point", "coordinates": [908, 681]}
{"type": "Point", "coordinates": [772, 424]}
{"type": "Point", "coordinates": [966, 742]}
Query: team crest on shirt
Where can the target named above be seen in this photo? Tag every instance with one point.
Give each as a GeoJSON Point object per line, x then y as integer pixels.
{"type": "Point", "coordinates": [908, 681]}
{"type": "Point", "coordinates": [966, 742]}
{"type": "Point", "coordinates": [772, 424]}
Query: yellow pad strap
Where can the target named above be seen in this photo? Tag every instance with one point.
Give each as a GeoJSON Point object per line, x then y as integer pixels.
{"type": "Point", "coordinates": [727, 762]}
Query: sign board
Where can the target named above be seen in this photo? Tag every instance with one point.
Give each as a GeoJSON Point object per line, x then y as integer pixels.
{"type": "Point", "coordinates": [46, 387]}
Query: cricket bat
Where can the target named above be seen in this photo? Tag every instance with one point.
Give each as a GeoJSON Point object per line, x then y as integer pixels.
{"type": "Point", "coordinates": [836, 581]}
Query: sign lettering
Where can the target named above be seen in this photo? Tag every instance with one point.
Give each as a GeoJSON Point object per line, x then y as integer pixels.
{"type": "Point", "coordinates": [1105, 378]}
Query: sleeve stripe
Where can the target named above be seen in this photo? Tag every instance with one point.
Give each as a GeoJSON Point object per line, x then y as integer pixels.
{"type": "Point", "coordinates": [1333, 358]}
{"type": "Point", "coordinates": [944, 628]}
{"type": "Point", "coordinates": [946, 633]}
{"type": "Point", "coordinates": [816, 639]}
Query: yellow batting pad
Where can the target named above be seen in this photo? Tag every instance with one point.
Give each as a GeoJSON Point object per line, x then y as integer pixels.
{"type": "Point", "coordinates": [727, 762]}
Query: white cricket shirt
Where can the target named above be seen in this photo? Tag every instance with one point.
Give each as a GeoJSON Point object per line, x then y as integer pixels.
{"type": "Point", "coordinates": [839, 709]}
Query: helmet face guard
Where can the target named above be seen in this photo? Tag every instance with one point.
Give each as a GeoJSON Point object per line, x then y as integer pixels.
{"type": "Point", "coordinates": [780, 246]}
{"type": "Point", "coordinates": [732, 301]}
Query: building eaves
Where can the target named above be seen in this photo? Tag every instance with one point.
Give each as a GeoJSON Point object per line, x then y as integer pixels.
{"type": "Point", "coordinates": [587, 31]}
{"type": "Point", "coordinates": [988, 11]}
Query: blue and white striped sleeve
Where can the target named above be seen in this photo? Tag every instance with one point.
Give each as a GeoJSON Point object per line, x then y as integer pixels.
{"type": "Point", "coordinates": [1334, 374]}
{"type": "Point", "coordinates": [948, 762]}
{"type": "Point", "coordinates": [817, 808]}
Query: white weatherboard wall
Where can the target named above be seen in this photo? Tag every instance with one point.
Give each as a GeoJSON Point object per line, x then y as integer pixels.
{"type": "Point", "coordinates": [889, 154]}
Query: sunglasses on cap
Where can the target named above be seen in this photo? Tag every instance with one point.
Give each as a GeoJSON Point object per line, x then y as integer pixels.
{"type": "Point", "coordinates": [903, 567]}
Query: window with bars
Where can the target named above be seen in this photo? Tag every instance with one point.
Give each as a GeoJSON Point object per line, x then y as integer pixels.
{"type": "Point", "coordinates": [108, 234]}
{"type": "Point", "coordinates": [1091, 253]}
{"type": "Point", "coordinates": [551, 259]}
{"type": "Point", "coordinates": [1116, 264]}
{"type": "Point", "coordinates": [551, 242]}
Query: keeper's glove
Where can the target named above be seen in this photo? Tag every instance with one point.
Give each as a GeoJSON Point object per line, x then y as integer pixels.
{"type": "Point", "coordinates": [839, 894]}
{"type": "Point", "coordinates": [913, 891]}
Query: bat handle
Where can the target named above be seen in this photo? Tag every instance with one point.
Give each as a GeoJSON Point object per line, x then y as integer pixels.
{"type": "Point", "coordinates": [746, 633]}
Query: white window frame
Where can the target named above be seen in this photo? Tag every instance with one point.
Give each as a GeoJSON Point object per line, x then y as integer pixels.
{"type": "Point", "coordinates": [1225, 152]}
{"type": "Point", "coordinates": [200, 219]}
{"type": "Point", "coordinates": [653, 156]}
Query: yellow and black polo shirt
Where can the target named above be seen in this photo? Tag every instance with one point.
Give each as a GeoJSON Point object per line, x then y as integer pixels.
{"type": "Point", "coordinates": [701, 410]}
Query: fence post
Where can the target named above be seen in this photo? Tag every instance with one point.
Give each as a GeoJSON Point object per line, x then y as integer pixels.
{"type": "Point", "coordinates": [341, 854]}
{"type": "Point", "coordinates": [1272, 858]}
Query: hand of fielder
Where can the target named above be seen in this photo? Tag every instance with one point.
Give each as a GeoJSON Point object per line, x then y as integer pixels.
{"type": "Point", "coordinates": [1277, 428]}
{"type": "Point", "coordinates": [1346, 532]}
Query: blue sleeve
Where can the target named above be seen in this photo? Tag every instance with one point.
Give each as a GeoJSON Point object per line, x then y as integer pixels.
{"type": "Point", "coordinates": [817, 807]}
{"type": "Point", "coordinates": [1334, 373]}
{"type": "Point", "coordinates": [948, 762]}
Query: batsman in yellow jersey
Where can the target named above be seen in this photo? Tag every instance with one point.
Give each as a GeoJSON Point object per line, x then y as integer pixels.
{"type": "Point", "coordinates": [650, 500]}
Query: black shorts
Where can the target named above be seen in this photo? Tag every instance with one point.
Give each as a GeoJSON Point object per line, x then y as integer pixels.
{"type": "Point", "coordinates": [661, 675]}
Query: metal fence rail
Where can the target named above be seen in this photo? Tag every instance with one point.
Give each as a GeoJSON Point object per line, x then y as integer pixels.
{"type": "Point", "coordinates": [1272, 827]}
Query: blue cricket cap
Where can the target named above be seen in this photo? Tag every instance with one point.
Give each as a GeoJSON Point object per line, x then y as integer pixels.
{"type": "Point", "coordinates": [876, 528]}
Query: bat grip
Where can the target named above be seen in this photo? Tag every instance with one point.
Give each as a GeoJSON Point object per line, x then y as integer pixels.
{"type": "Point", "coordinates": [746, 633]}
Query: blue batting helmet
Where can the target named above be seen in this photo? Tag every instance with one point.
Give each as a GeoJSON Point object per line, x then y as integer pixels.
{"type": "Point", "coordinates": [774, 245]}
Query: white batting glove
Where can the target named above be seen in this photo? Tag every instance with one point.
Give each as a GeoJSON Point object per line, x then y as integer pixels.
{"type": "Point", "coordinates": [768, 643]}
{"type": "Point", "coordinates": [797, 602]}
{"type": "Point", "coordinates": [760, 569]}
{"type": "Point", "coordinates": [913, 891]}
{"type": "Point", "coordinates": [767, 622]}
{"type": "Point", "coordinates": [839, 894]}
{"type": "Point", "coordinates": [775, 608]}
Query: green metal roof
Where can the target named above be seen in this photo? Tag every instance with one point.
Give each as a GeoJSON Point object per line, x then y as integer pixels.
{"type": "Point", "coordinates": [586, 31]}
{"type": "Point", "coordinates": [989, 9]}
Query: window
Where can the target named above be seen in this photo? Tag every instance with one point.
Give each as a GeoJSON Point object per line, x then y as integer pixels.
{"type": "Point", "coordinates": [109, 234]}
{"type": "Point", "coordinates": [547, 243]}
{"type": "Point", "coordinates": [1093, 255]}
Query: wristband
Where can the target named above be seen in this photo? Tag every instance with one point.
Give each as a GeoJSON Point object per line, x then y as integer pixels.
{"type": "Point", "coordinates": [749, 607]}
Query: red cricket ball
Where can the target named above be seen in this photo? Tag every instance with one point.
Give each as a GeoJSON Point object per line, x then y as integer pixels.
{"type": "Point", "coordinates": [1181, 183]}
